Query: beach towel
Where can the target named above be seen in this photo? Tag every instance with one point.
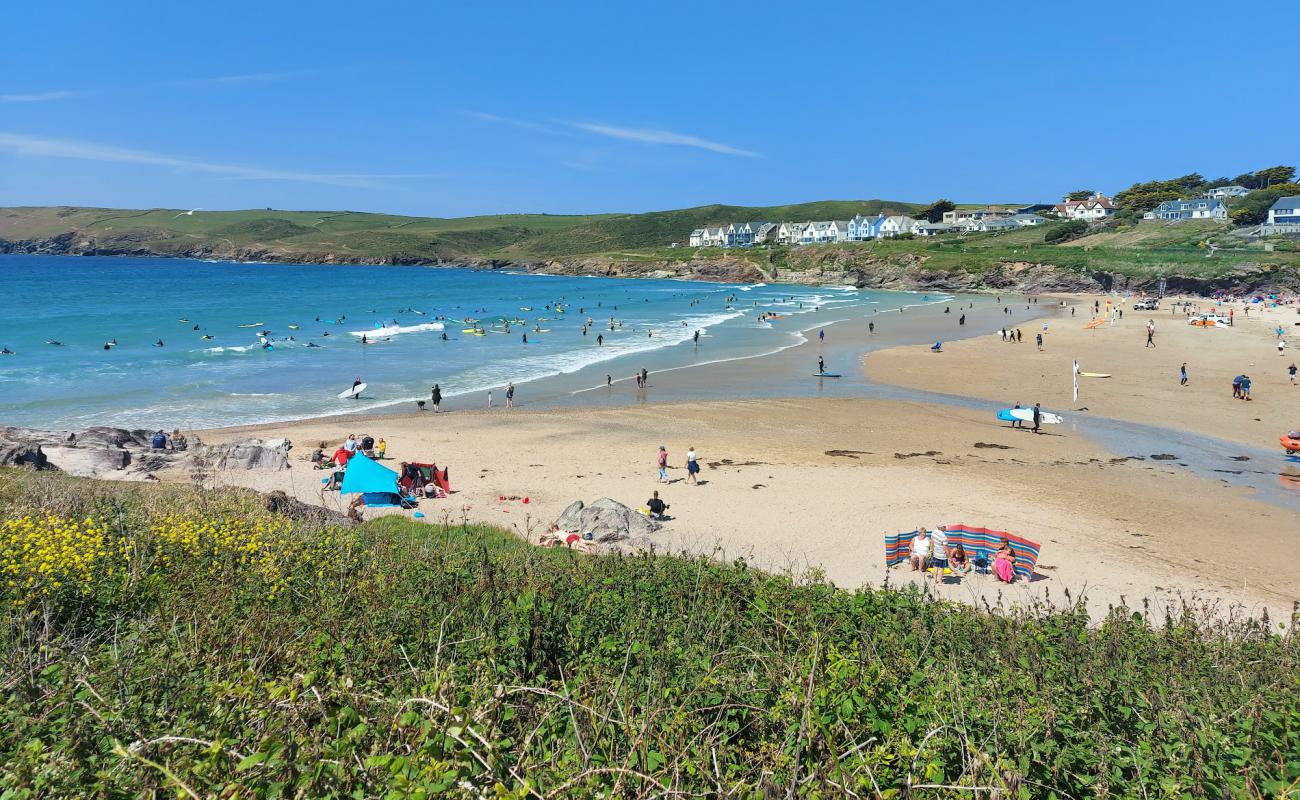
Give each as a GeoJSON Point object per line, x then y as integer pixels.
{"type": "Point", "coordinates": [978, 543]}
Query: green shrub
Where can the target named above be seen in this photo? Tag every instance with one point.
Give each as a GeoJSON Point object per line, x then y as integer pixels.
{"type": "Point", "coordinates": [449, 659]}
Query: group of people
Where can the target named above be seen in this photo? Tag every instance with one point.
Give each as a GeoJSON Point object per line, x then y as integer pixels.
{"type": "Point", "coordinates": [692, 465]}
{"type": "Point", "coordinates": [1011, 335]}
{"type": "Point", "coordinates": [930, 550]}
{"type": "Point", "coordinates": [364, 444]}
{"type": "Point", "coordinates": [161, 441]}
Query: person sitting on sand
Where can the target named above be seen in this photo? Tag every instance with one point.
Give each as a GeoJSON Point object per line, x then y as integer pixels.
{"type": "Point", "coordinates": [179, 442]}
{"type": "Point", "coordinates": [920, 550]}
{"type": "Point", "coordinates": [1004, 562]}
{"type": "Point", "coordinates": [368, 445]}
{"type": "Point", "coordinates": [959, 561]}
{"type": "Point", "coordinates": [317, 457]}
{"type": "Point", "coordinates": [657, 507]}
{"type": "Point", "coordinates": [350, 444]}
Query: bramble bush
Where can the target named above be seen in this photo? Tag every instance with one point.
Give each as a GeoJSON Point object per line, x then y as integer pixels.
{"type": "Point", "coordinates": [217, 650]}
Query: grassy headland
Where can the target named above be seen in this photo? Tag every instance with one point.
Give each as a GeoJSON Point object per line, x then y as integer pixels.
{"type": "Point", "coordinates": [165, 640]}
{"type": "Point", "coordinates": [1203, 254]}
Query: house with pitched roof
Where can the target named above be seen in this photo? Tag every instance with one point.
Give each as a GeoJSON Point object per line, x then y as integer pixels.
{"type": "Point", "coordinates": [789, 233]}
{"type": "Point", "coordinates": [817, 233]}
{"type": "Point", "coordinates": [1197, 208]}
{"type": "Point", "coordinates": [897, 226]}
{"type": "Point", "coordinates": [1283, 216]}
{"type": "Point", "coordinates": [1099, 206]}
{"type": "Point", "coordinates": [934, 228]}
{"type": "Point", "coordinates": [863, 228]}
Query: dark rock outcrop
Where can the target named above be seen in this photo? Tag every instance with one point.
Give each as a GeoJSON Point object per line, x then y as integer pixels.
{"type": "Point", "coordinates": [610, 523]}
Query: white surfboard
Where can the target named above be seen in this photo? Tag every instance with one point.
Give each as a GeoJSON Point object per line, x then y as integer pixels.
{"type": "Point", "coordinates": [1027, 415]}
{"type": "Point", "coordinates": [353, 392]}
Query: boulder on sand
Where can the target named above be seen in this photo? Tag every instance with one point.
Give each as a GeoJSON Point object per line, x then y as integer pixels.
{"type": "Point", "coordinates": [610, 523]}
{"type": "Point", "coordinates": [248, 454]}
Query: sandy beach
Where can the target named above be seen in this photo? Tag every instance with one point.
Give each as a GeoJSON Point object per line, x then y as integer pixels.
{"type": "Point", "coordinates": [815, 482]}
{"type": "Point", "coordinates": [1144, 383]}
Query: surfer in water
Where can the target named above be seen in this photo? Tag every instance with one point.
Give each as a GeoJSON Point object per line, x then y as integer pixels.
{"type": "Point", "coordinates": [5, 351]}
{"type": "Point", "coordinates": [54, 342]}
{"type": "Point", "coordinates": [356, 385]}
{"type": "Point", "coordinates": [821, 365]}
{"type": "Point", "coordinates": [364, 340]}
{"type": "Point", "coordinates": [158, 343]}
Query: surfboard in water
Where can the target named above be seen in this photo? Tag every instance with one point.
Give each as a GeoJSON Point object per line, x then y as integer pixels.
{"type": "Point", "coordinates": [355, 391]}
{"type": "Point", "coordinates": [827, 375]}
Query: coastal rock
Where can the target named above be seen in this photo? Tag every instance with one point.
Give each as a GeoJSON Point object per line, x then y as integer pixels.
{"type": "Point", "coordinates": [88, 462]}
{"type": "Point", "coordinates": [23, 455]}
{"type": "Point", "coordinates": [247, 455]}
{"type": "Point", "coordinates": [610, 523]}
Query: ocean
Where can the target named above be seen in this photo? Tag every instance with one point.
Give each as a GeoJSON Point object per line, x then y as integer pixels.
{"type": "Point", "coordinates": [215, 321]}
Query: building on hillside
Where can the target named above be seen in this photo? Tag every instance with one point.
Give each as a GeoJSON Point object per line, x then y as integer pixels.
{"type": "Point", "coordinates": [816, 233]}
{"type": "Point", "coordinates": [708, 237]}
{"type": "Point", "coordinates": [862, 228]}
{"type": "Point", "coordinates": [765, 233]}
{"type": "Point", "coordinates": [989, 225]}
{"type": "Point", "coordinates": [1036, 208]}
{"type": "Point", "coordinates": [960, 216]}
{"type": "Point", "coordinates": [840, 230]}
{"type": "Point", "coordinates": [1099, 206]}
{"type": "Point", "coordinates": [1283, 216]}
{"type": "Point", "coordinates": [923, 228]}
{"type": "Point", "coordinates": [697, 237]}
{"type": "Point", "coordinates": [1224, 192]}
{"type": "Point", "coordinates": [1197, 208]}
{"type": "Point", "coordinates": [789, 233]}
{"type": "Point", "coordinates": [1027, 220]}
{"type": "Point", "coordinates": [897, 226]}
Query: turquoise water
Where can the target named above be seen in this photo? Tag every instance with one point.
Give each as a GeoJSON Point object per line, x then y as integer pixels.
{"type": "Point", "coordinates": [231, 378]}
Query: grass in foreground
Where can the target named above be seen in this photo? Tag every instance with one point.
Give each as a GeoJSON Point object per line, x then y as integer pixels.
{"type": "Point", "coordinates": [197, 645]}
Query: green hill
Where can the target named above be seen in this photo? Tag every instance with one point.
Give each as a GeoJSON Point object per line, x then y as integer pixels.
{"type": "Point", "coordinates": [320, 235]}
{"type": "Point", "coordinates": [169, 641]}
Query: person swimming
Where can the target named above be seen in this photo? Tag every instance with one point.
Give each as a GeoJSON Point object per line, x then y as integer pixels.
{"type": "Point", "coordinates": [158, 343]}
{"type": "Point", "coordinates": [311, 344]}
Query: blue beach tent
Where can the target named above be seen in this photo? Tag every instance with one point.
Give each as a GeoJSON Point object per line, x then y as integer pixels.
{"type": "Point", "coordinates": [364, 476]}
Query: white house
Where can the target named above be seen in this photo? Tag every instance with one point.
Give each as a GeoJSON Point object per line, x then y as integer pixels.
{"type": "Point", "coordinates": [934, 228]}
{"type": "Point", "coordinates": [1027, 220]}
{"type": "Point", "coordinates": [817, 233]}
{"type": "Point", "coordinates": [1222, 192]}
{"type": "Point", "coordinates": [840, 230]}
{"type": "Point", "coordinates": [712, 237]}
{"type": "Point", "coordinates": [897, 226]}
{"type": "Point", "coordinates": [789, 233]}
{"type": "Point", "coordinates": [697, 237]}
{"type": "Point", "coordinates": [986, 225]}
{"type": "Point", "coordinates": [1283, 216]}
{"type": "Point", "coordinates": [959, 216]}
{"type": "Point", "coordinates": [1099, 206]}
{"type": "Point", "coordinates": [1198, 208]}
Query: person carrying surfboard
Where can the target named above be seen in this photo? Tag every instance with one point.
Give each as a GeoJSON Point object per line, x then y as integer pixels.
{"type": "Point", "coordinates": [1038, 416]}
{"type": "Point", "coordinates": [821, 365]}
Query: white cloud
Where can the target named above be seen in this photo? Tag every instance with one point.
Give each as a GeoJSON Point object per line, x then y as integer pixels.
{"type": "Point", "coordinates": [252, 77]}
{"type": "Point", "coordinates": [36, 97]}
{"type": "Point", "coordinates": [653, 136]}
{"type": "Point", "coordinates": [514, 123]}
{"type": "Point", "coordinates": [22, 145]}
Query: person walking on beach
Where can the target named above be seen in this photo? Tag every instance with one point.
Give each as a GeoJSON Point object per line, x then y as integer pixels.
{"type": "Point", "coordinates": [1040, 342]}
{"type": "Point", "coordinates": [645, 377]}
{"type": "Point", "coordinates": [1151, 332]}
{"type": "Point", "coordinates": [510, 395]}
{"type": "Point", "coordinates": [662, 463]}
{"type": "Point", "coordinates": [1020, 337]}
{"type": "Point", "coordinates": [609, 379]}
{"type": "Point", "coordinates": [1291, 370]}
{"type": "Point", "coordinates": [435, 397]}
{"type": "Point", "coordinates": [692, 466]}
{"type": "Point", "coordinates": [871, 327]}
{"type": "Point", "coordinates": [1038, 416]}
{"type": "Point", "coordinates": [1182, 374]}
{"type": "Point", "coordinates": [821, 335]}
{"type": "Point", "coordinates": [489, 405]}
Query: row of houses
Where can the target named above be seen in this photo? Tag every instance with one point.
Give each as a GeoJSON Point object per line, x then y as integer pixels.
{"type": "Point", "coordinates": [858, 229]}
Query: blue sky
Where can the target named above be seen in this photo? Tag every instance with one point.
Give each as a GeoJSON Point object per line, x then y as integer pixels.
{"type": "Point", "coordinates": [482, 107]}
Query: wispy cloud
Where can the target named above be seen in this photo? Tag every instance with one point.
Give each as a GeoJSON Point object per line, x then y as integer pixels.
{"type": "Point", "coordinates": [251, 77]}
{"type": "Point", "coordinates": [36, 97]}
{"type": "Point", "coordinates": [23, 145]}
{"type": "Point", "coordinates": [515, 123]}
{"type": "Point", "coordinates": [655, 136]}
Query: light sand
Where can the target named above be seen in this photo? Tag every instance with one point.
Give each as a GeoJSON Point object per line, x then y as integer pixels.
{"type": "Point", "coordinates": [793, 484]}
{"type": "Point", "coordinates": [1144, 385]}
